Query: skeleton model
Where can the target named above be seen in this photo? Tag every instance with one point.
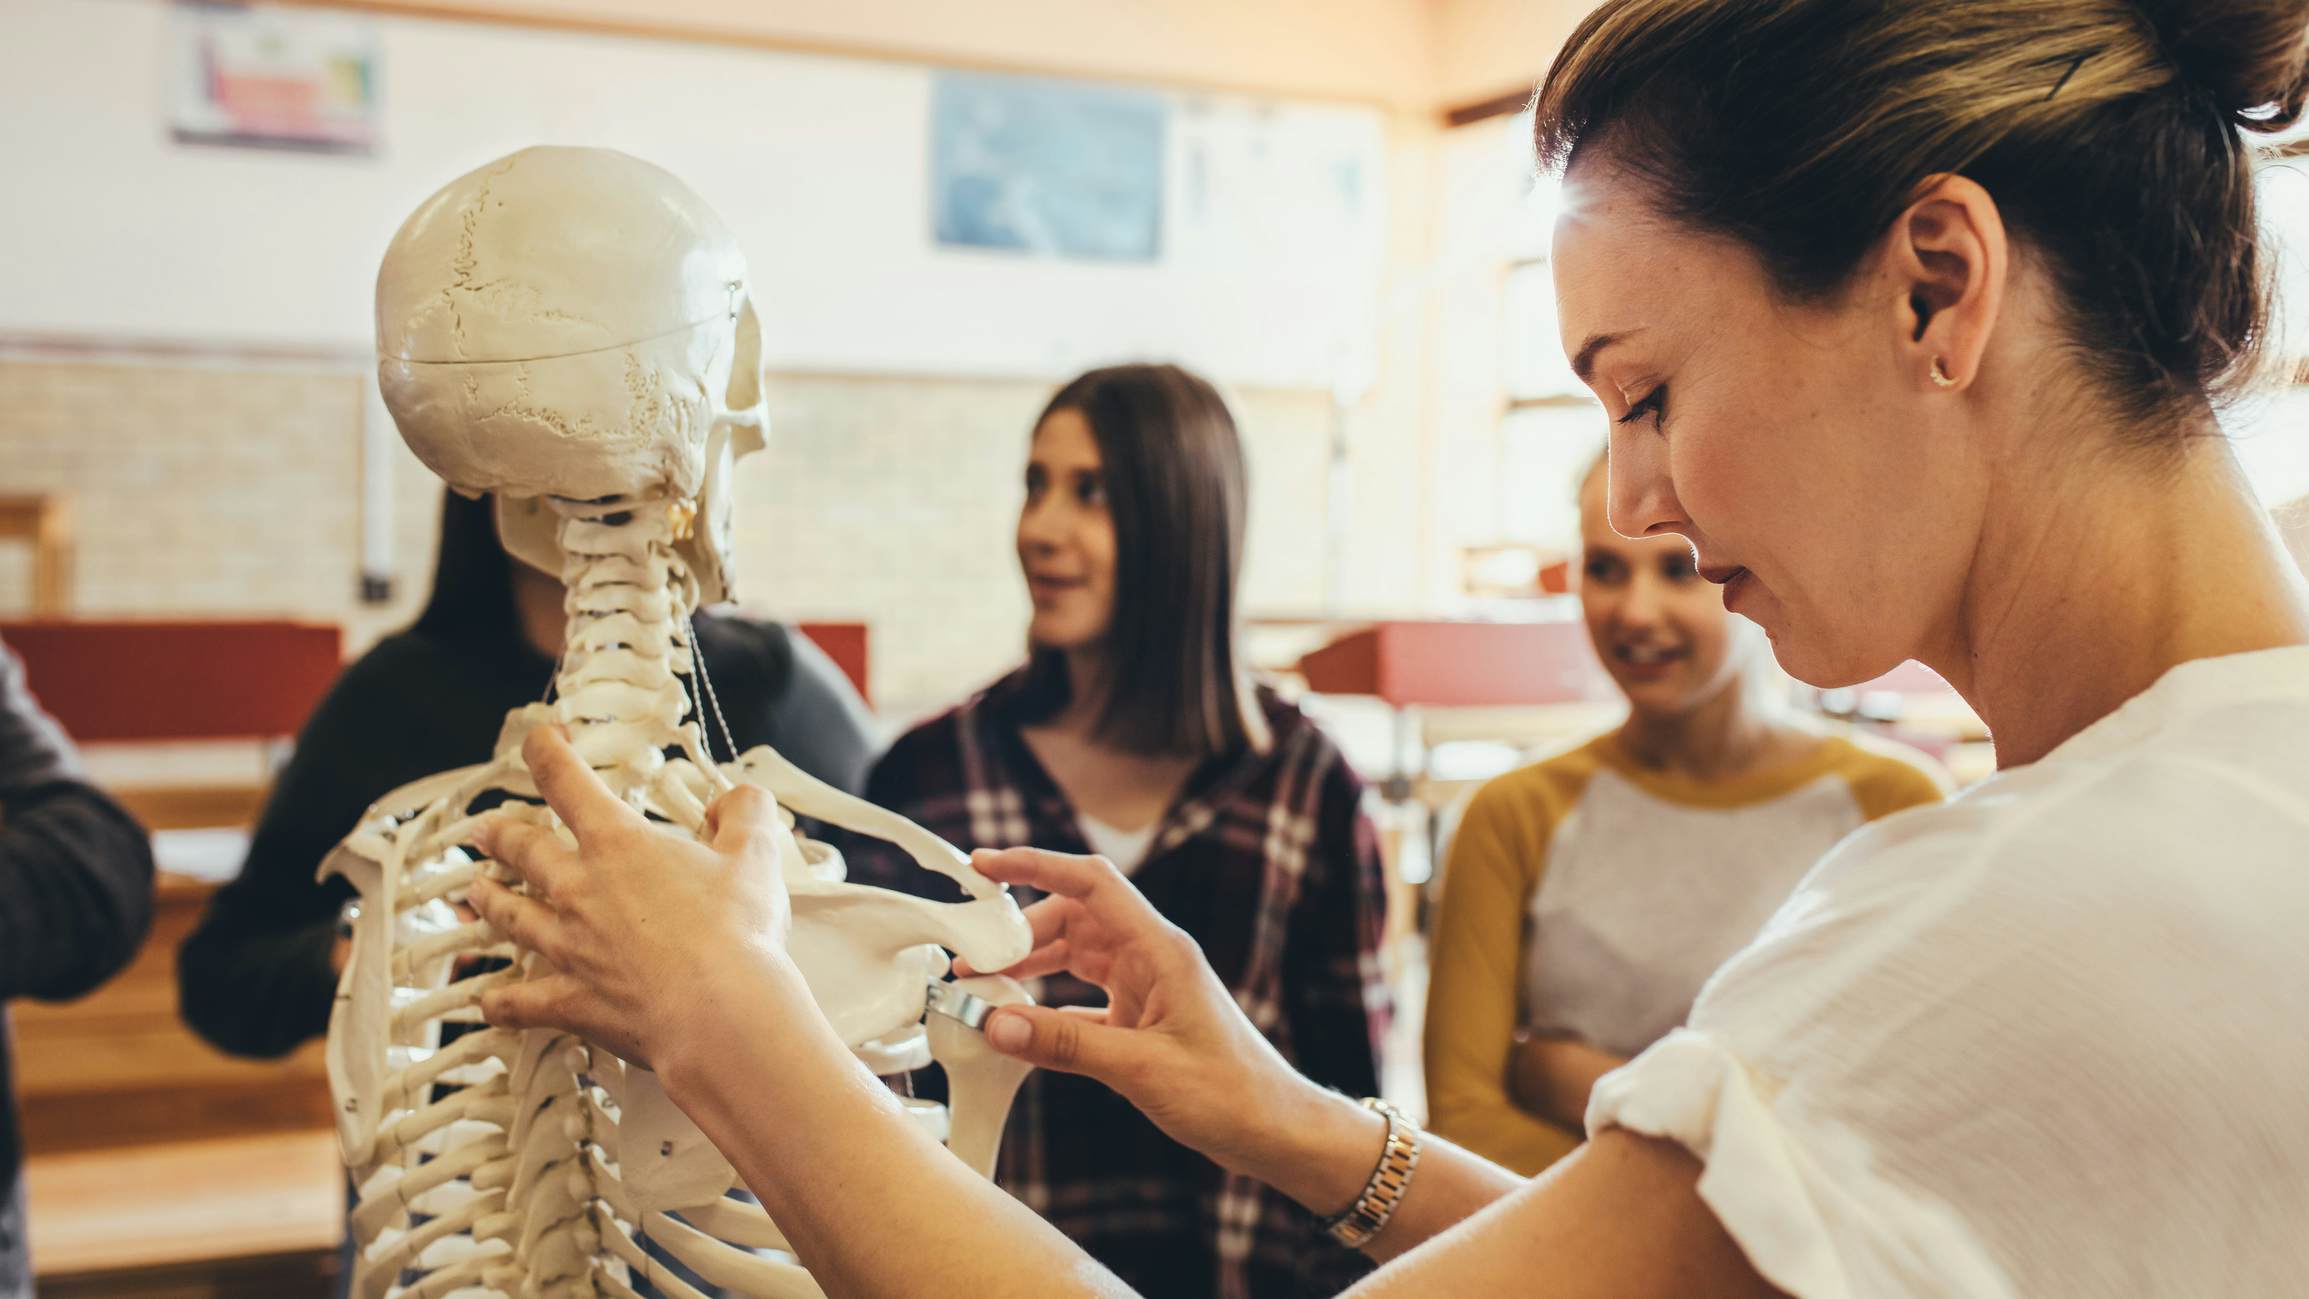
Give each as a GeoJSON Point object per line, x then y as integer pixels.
{"type": "Point", "coordinates": [570, 329]}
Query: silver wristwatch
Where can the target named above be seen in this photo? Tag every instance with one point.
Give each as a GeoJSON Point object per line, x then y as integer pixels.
{"type": "Point", "coordinates": [1384, 1191]}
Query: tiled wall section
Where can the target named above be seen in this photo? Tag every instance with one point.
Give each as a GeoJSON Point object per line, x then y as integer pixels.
{"type": "Point", "coordinates": [212, 491]}
{"type": "Point", "coordinates": [200, 490]}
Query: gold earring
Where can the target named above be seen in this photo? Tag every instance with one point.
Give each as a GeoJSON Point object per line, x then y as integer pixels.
{"type": "Point", "coordinates": [1941, 378]}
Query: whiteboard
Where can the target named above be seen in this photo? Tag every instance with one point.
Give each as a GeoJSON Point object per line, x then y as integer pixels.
{"type": "Point", "coordinates": [1269, 273]}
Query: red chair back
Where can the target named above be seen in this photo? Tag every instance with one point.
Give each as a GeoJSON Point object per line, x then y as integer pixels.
{"type": "Point", "coordinates": [138, 681]}
{"type": "Point", "coordinates": [1461, 664]}
{"type": "Point", "coordinates": [846, 643]}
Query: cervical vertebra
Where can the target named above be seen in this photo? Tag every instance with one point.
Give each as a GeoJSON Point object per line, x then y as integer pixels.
{"type": "Point", "coordinates": [525, 1163]}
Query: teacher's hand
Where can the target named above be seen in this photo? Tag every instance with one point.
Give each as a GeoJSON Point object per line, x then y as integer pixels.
{"type": "Point", "coordinates": [643, 929]}
{"type": "Point", "coordinates": [1171, 1039]}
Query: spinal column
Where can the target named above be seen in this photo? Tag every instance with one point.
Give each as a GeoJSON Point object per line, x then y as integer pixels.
{"type": "Point", "coordinates": [474, 1156]}
{"type": "Point", "coordinates": [524, 1163]}
{"type": "Point", "coordinates": [621, 688]}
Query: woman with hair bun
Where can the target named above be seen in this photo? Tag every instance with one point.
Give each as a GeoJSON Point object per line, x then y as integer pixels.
{"type": "Point", "coordinates": [1914, 320]}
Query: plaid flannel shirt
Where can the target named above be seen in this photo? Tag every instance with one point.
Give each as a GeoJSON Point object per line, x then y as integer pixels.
{"type": "Point", "coordinates": [1270, 862]}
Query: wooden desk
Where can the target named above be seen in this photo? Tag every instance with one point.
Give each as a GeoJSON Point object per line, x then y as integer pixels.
{"type": "Point", "coordinates": [258, 1215]}
{"type": "Point", "coordinates": [160, 1168]}
{"type": "Point", "coordinates": [118, 1068]}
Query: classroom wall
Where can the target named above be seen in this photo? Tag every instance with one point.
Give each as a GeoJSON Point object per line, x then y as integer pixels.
{"type": "Point", "coordinates": [1269, 272]}
{"type": "Point", "coordinates": [139, 346]}
{"type": "Point", "coordinates": [207, 490]}
{"type": "Point", "coordinates": [1488, 48]}
{"type": "Point", "coordinates": [1362, 50]}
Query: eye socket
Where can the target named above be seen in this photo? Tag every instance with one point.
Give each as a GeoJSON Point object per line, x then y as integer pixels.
{"type": "Point", "coordinates": [1037, 481]}
{"type": "Point", "coordinates": [1090, 489]}
{"type": "Point", "coordinates": [1653, 406]}
{"type": "Point", "coordinates": [1604, 570]}
{"type": "Point", "coordinates": [1679, 568]}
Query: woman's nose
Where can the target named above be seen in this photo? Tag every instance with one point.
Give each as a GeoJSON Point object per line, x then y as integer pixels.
{"type": "Point", "coordinates": [1640, 495]}
{"type": "Point", "coordinates": [1039, 524]}
{"type": "Point", "coordinates": [1642, 603]}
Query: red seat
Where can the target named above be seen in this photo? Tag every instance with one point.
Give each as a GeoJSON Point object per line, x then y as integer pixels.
{"type": "Point", "coordinates": [147, 680]}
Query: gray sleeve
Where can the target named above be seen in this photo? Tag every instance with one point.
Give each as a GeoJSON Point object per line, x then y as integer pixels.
{"type": "Point", "coordinates": [819, 722]}
{"type": "Point", "coordinates": [75, 870]}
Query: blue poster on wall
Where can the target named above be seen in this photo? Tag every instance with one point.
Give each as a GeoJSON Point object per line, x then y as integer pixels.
{"type": "Point", "coordinates": [1051, 167]}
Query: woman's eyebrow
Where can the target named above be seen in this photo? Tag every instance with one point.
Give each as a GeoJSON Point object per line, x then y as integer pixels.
{"type": "Point", "coordinates": [1583, 362]}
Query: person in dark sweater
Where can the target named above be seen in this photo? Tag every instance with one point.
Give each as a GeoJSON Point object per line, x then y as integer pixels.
{"type": "Point", "coordinates": [75, 901]}
{"type": "Point", "coordinates": [258, 976]}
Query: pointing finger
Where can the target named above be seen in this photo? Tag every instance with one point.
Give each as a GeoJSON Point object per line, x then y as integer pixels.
{"type": "Point", "coordinates": [546, 1002]}
{"type": "Point", "coordinates": [1093, 881]}
{"type": "Point", "coordinates": [584, 804]}
{"type": "Point", "coordinates": [527, 921]}
{"type": "Point", "coordinates": [533, 853]}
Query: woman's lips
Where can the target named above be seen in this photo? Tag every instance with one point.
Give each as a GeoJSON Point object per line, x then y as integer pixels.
{"type": "Point", "coordinates": [1736, 581]}
{"type": "Point", "coordinates": [1646, 662]}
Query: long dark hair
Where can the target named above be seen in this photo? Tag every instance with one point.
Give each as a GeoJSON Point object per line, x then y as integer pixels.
{"type": "Point", "coordinates": [472, 601]}
{"type": "Point", "coordinates": [1175, 487]}
{"type": "Point", "coordinates": [2108, 131]}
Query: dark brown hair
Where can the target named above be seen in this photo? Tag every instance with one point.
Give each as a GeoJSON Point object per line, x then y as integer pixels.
{"type": "Point", "coordinates": [2106, 130]}
{"type": "Point", "coordinates": [472, 600]}
{"type": "Point", "coordinates": [1173, 469]}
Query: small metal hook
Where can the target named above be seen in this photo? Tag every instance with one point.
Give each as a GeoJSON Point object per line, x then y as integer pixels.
{"type": "Point", "coordinates": [966, 1009]}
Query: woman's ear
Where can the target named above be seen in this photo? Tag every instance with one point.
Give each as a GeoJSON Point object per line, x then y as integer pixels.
{"type": "Point", "coordinates": [1949, 254]}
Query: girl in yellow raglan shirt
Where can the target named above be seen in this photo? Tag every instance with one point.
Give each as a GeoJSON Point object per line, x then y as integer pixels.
{"type": "Point", "coordinates": [1588, 896]}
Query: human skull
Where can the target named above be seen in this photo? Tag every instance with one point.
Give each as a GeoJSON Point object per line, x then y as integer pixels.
{"type": "Point", "coordinates": [574, 322]}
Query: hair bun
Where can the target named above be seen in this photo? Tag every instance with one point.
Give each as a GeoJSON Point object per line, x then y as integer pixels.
{"type": "Point", "coordinates": [2252, 56]}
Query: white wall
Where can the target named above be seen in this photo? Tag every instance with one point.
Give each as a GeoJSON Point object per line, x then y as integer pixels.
{"type": "Point", "coordinates": [1366, 51]}
{"type": "Point", "coordinates": [820, 164]}
{"type": "Point", "coordinates": [1488, 48]}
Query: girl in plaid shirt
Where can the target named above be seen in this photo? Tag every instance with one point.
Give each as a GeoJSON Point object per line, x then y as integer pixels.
{"type": "Point", "coordinates": [1133, 732]}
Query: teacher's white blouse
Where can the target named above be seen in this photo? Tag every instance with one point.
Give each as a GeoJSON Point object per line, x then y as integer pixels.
{"type": "Point", "coordinates": [2051, 1039]}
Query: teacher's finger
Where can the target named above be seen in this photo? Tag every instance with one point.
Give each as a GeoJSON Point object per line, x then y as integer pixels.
{"type": "Point", "coordinates": [584, 804]}
{"type": "Point", "coordinates": [533, 853]}
{"type": "Point", "coordinates": [1046, 923]}
{"type": "Point", "coordinates": [554, 1001]}
{"type": "Point", "coordinates": [527, 921]}
{"type": "Point", "coordinates": [743, 817]}
{"type": "Point", "coordinates": [1093, 881]}
{"type": "Point", "coordinates": [1072, 1043]}
{"type": "Point", "coordinates": [1052, 958]}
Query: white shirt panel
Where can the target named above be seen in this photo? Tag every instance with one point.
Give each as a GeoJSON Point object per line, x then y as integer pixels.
{"type": "Point", "coordinates": [1125, 848]}
{"type": "Point", "coordinates": [1642, 899]}
{"type": "Point", "coordinates": [2051, 1039]}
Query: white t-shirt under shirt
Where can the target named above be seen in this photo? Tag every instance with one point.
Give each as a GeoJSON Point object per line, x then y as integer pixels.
{"type": "Point", "coordinates": [2051, 1039]}
{"type": "Point", "coordinates": [1125, 848]}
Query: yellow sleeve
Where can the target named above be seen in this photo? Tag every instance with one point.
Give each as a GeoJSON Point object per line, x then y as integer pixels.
{"type": "Point", "coordinates": [1884, 783]}
{"type": "Point", "coordinates": [1475, 970]}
